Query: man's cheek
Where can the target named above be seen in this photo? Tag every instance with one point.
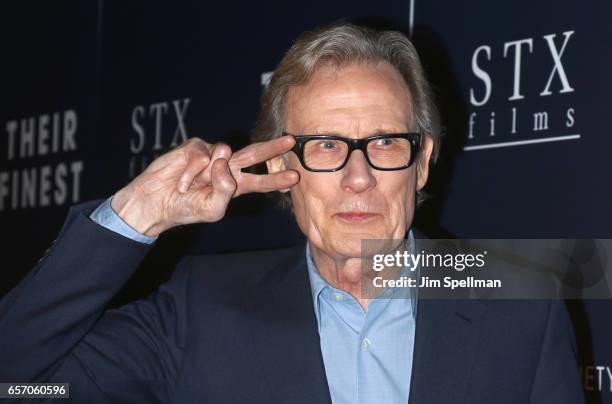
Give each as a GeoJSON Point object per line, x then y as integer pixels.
{"type": "Point", "coordinates": [400, 210]}
{"type": "Point", "coordinates": [408, 213]}
{"type": "Point", "coordinates": [309, 203]}
{"type": "Point", "coordinates": [299, 204]}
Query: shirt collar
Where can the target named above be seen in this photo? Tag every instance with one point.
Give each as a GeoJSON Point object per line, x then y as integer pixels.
{"type": "Point", "coordinates": [318, 284]}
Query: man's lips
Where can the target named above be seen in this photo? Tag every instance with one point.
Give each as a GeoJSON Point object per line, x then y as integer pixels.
{"type": "Point", "coordinates": [356, 217]}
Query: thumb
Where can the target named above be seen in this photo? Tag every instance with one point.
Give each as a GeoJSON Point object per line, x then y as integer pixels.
{"type": "Point", "coordinates": [223, 187]}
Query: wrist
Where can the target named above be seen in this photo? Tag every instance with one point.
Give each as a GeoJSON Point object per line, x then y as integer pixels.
{"type": "Point", "coordinates": [133, 212]}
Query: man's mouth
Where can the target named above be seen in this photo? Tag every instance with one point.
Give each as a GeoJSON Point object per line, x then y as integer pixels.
{"type": "Point", "coordinates": [356, 217]}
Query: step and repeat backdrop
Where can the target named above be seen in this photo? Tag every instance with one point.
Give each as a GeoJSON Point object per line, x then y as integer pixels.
{"type": "Point", "coordinates": [91, 92]}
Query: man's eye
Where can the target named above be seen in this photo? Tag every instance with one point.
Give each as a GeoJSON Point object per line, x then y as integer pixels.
{"type": "Point", "coordinates": [328, 144]}
{"type": "Point", "coordinates": [384, 142]}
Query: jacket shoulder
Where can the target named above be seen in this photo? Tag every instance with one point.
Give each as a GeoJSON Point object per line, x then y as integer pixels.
{"type": "Point", "coordinates": [231, 273]}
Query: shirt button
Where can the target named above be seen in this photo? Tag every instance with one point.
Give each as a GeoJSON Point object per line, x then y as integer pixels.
{"type": "Point", "coordinates": [366, 343]}
{"type": "Point", "coordinates": [338, 297]}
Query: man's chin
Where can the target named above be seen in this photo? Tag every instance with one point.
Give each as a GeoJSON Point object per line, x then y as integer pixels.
{"type": "Point", "coordinates": [351, 244]}
{"type": "Point", "coordinates": [374, 230]}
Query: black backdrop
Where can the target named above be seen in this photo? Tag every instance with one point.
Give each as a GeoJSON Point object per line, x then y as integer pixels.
{"type": "Point", "coordinates": [93, 91]}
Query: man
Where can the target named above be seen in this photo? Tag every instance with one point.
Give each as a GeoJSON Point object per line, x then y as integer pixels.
{"type": "Point", "coordinates": [347, 130]}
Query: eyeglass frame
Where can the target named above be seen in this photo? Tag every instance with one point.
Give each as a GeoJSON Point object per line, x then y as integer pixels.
{"type": "Point", "coordinates": [357, 144]}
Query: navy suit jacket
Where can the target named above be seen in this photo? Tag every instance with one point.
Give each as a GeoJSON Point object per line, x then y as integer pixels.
{"type": "Point", "coordinates": [240, 328]}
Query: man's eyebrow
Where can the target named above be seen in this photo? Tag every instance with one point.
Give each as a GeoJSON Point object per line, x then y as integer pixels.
{"type": "Point", "coordinates": [375, 132]}
{"type": "Point", "coordinates": [383, 132]}
{"type": "Point", "coordinates": [321, 132]}
{"type": "Point", "coordinates": [387, 131]}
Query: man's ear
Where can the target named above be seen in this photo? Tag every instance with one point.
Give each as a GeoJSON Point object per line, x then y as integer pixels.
{"type": "Point", "coordinates": [276, 165]}
{"type": "Point", "coordinates": [423, 161]}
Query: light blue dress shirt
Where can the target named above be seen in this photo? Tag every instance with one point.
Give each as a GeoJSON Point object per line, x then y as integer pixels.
{"type": "Point", "coordinates": [367, 354]}
{"type": "Point", "coordinates": [107, 217]}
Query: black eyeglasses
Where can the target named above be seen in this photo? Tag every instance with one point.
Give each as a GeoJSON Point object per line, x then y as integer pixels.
{"type": "Point", "coordinates": [328, 153]}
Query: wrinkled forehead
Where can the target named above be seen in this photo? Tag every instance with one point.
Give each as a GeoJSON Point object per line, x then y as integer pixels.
{"type": "Point", "coordinates": [354, 97]}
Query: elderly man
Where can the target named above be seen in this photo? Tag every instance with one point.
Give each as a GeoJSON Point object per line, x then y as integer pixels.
{"type": "Point", "coordinates": [348, 130]}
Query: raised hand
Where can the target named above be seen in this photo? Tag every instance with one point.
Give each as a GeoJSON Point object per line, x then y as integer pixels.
{"type": "Point", "coordinates": [195, 182]}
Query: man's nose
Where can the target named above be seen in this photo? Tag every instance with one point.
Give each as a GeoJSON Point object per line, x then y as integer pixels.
{"type": "Point", "coordinates": [357, 173]}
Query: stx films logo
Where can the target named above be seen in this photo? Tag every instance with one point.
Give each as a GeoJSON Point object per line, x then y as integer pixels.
{"type": "Point", "coordinates": [156, 128]}
{"type": "Point", "coordinates": [524, 115]}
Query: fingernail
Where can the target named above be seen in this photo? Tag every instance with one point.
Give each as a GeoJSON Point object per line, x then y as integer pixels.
{"type": "Point", "coordinates": [183, 187]}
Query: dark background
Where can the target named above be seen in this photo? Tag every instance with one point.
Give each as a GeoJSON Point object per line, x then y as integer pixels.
{"type": "Point", "coordinates": [105, 59]}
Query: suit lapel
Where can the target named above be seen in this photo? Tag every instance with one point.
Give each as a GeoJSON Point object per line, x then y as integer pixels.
{"type": "Point", "coordinates": [284, 330]}
{"type": "Point", "coordinates": [446, 340]}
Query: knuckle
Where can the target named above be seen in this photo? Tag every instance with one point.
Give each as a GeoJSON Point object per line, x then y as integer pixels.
{"type": "Point", "coordinates": [195, 140]}
{"type": "Point", "coordinates": [186, 143]}
{"type": "Point", "coordinates": [193, 152]}
{"type": "Point", "coordinates": [200, 155]}
{"type": "Point", "coordinates": [184, 155]}
{"type": "Point", "coordinates": [200, 143]}
{"type": "Point", "coordinates": [194, 143]}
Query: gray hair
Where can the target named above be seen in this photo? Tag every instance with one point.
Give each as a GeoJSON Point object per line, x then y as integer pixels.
{"type": "Point", "coordinates": [341, 44]}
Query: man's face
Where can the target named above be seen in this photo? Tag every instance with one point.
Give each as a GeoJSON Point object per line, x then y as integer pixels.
{"type": "Point", "coordinates": [336, 210]}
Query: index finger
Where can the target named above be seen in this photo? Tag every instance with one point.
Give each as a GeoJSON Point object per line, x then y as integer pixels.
{"type": "Point", "coordinates": [262, 151]}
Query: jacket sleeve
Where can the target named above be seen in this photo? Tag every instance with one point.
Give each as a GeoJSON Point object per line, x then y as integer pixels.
{"type": "Point", "coordinates": [54, 328]}
{"type": "Point", "coordinates": [557, 380]}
